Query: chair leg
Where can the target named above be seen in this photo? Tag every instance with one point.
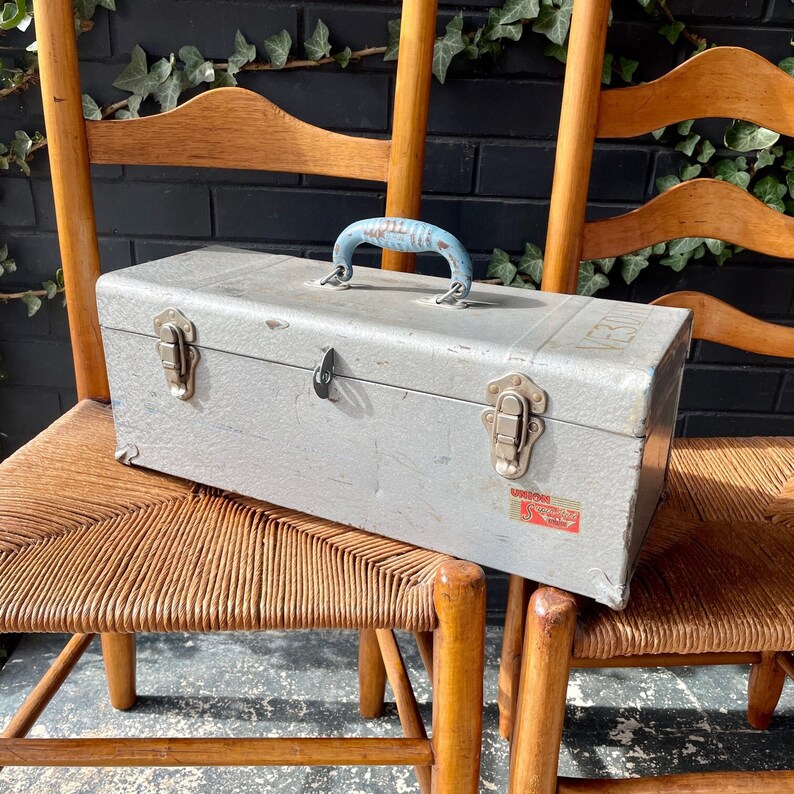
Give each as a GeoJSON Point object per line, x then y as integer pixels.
{"type": "Point", "coordinates": [458, 663]}
{"type": "Point", "coordinates": [512, 644]}
{"type": "Point", "coordinates": [371, 675]}
{"type": "Point", "coordinates": [118, 651]}
{"type": "Point", "coordinates": [763, 692]}
{"type": "Point", "coordinates": [546, 664]}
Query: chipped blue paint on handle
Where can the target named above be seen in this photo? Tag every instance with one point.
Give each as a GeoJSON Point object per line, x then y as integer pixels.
{"type": "Point", "coordinates": [407, 236]}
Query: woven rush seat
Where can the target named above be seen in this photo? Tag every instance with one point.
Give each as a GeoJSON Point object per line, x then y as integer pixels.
{"type": "Point", "coordinates": [90, 545]}
{"type": "Point", "coordinates": [717, 570]}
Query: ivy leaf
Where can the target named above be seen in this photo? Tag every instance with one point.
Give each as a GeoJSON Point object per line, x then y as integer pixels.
{"type": "Point", "coordinates": [277, 48]}
{"type": "Point", "coordinates": [605, 264]}
{"type": "Point", "coordinates": [715, 246]}
{"type": "Point", "coordinates": [788, 161]}
{"type": "Point", "coordinates": [59, 277]}
{"type": "Point", "coordinates": [495, 30]}
{"type": "Point", "coordinates": [554, 22]}
{"type": "Point", "coordinates": [627, 67]}
{"type": "Point", "coordinates": [770, 190]}
{"type": "Point", "coordinates": [167, 93]}
{"type": "Point", "coordinates": [659, 249]}
{"type": "Point", "coordinates": [393, 46]}
{"type": "Point", "coordinates": [445, 49]}
{"type": "Point", "coordinates": [731, 171]}
{"type": "Point", "coordinates": [318, 46]}
{"type": "Point", "coordinates": [131, 111]}
{"type": "Point", "coordinates": [726, 253]}
{"type": "Point", "coordinates": [687, 146]}
{"type": "Point", "coordinates": [706, 151]}
{"type": "Point", "coordinates": [676, 262]}
{"type": "Point", "coordinates": [606, 68]}
{"type": "Point", "coordinates": [91, 110]}
{"type": "Point", "coordinates": [683, 245]}
{"type": "Point", "coordinates": [4, 253]}
{"type": "Point", "coordinates": [556, 51]}
{"type": "Point", "coordinates": [32, 302]}
{"type": "Point", "coordinates": [699, 252]}
{"type": "Point", "coordinates": [135, 75]}
{"type": "Point", "coordinates": [666, 182]}
{"type": "Point", "coordinates": [590, 281]}
{"type": "Point", "coordinates": [672, 31]}
{"type": "Point", "coordinates": [790, 183]}
{"type": "Point", "coordinates": [501, 267]}
{"type": "Point", "coordinates": [765, 158]}
{"type": "Point", "coordinates": [223, 79]}
{"type": "Point", "coordinates": [343, 58]}
{"type": "Point", "coordinates": [689, 171]}
{"type": "Point", "coordinates": [743, 136]}
{"type": "Point", "coordinates": [51, 287]}
{"type": "Point", "coordinates": [787, 65]}
{"type": "Point", "coordinates": [531, 262]}
{"type": "Point", "coordinates": [685, 127]}
{"type": "Point", "coordinates": [658, 133]}
{"type": "Point", "coordinates": [519, 282]}
{"type": "Point", "coordinates": [13, 14]}
{"type": "Point", "coordinates": [197, 69]}
{"type": "Point", "coordinates": [631, 265]}
{"type": "Point", "coordinates": [243, 53]}
{"type": "Point", "coordinates": [515, 10]}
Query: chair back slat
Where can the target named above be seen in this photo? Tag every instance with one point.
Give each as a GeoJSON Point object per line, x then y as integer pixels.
{"type": "Point", "coordinates": [71, 185]}
{"type": "Point", "coordinates": [698, 208]}
{"type": "Point", "coordinates": [724, 82]}
{"type": "Point", "coordinates": [716, 321]}
{"type": "Point", "coordinates": [274, 140]}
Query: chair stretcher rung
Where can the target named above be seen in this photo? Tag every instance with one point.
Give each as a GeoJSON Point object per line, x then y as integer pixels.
{"type": "Point", "coordinates": [215, 752]}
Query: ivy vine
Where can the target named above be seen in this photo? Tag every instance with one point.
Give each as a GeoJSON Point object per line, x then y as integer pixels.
{"type": "Point", "coordinates": [764, 166]}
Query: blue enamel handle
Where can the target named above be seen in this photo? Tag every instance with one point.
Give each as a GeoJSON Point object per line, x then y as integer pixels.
{"type": "Point", "coordinates": [408, 236]}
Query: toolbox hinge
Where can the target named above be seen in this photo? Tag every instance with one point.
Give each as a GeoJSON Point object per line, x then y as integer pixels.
{"type": "Point", "coordinates": [178, 357]}
{"type": "Point", "coordinates": [513, 423]}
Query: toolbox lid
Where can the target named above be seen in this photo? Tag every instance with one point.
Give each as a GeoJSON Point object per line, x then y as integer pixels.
{"type": "Point", "coordinates": [598, 361]}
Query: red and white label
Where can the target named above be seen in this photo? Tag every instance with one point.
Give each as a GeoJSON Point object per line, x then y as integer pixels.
{"type": "Point", "coordinates": [544, 510]}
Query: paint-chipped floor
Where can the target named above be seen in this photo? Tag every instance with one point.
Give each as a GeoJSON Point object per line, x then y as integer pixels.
{"type": "Point", "coordinates": [620, 722]}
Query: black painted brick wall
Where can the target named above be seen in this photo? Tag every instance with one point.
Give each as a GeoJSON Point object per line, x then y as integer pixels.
{"type": "Point", "coordinates": [489, 170]}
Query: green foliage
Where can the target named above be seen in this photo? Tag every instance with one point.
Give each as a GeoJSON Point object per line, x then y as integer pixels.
{"type": "Point", "coordinates": [277, 48]}
{"type": "Point", "coordinates": [318, 45]}
{"type": "Point", "coordinates": [446, 48]}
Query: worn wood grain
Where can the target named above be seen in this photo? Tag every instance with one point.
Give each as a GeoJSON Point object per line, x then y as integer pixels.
{"type": "Point", "coordinates": [717, 321]}
{"type": "Point", "coordinates": [698, 208]}
{"type": "Point", "coordinates": [574, 157]}
{"type": "Point", "coordinates": [71, 187]}
{"type": "Point", "coordinates": [694, 783]}
{"type": "Point", "coordinates": [214, 752]}
{"type": "Point", "coordinates": [274, 140]}
{"type": "Point", "coordinates": [723, 82]}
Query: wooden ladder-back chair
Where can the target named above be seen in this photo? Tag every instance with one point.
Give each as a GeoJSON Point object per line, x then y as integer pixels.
{"type": "Point", "coordinates": [88, 546]}
{"type": "Point", "coordinates": [715, 581]}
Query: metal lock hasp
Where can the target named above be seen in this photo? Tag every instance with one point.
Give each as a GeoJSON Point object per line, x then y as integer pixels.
{"type": "Point", "coordinates": [178, 357]}
{"type": "Point", "coordinates": [513, 423]}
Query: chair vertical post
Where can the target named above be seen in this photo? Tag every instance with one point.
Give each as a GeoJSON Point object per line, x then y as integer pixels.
{"type": "Point", "coordinates": [371, 675]}
{"type": "Point", "coordinates": [409, 127]}
{"type": "Point", "coordinates": [512, 646]}
{"type": "Point", "coordinates": [71, 184]}
{"type": "Point", "coordinates": [118, 652]}
{"type": "Point", "coordinates": [540, 712]}
{"type": "Point", "coordinates": [574, 157]}
{"type": "Point", "coordinates": [458, 664]}
{"type": "Point", "coordinates": [764, 689]}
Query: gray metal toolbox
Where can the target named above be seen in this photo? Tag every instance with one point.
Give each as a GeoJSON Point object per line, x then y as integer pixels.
{"type": "Point", "coordinates": [522, 430]}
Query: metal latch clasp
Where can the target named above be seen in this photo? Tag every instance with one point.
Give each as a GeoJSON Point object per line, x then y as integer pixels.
{"type": "Point", "coordinates": [513, 423]}
{"type": "Point", "coordinates": [178, 357]}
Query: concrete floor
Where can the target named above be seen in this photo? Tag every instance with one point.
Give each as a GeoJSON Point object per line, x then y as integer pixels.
{"type": "Point", "coordinates": [620, 722]}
